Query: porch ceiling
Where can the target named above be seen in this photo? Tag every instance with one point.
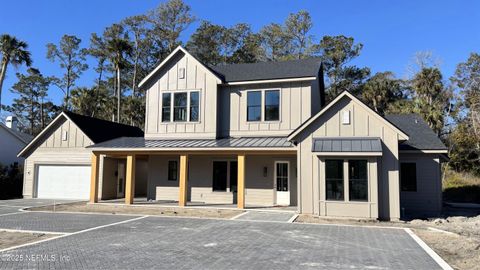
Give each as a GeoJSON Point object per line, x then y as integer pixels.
{"type": "Point", "coordinates": [135, 143]}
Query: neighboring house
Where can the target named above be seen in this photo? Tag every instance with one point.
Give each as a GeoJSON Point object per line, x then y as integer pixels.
{"type": "Point", "coordinates": [11, 141]}
{"type": "Point", "coordinates": [57, 162]}
{"type": "Point", "coordinates": [261, 135]}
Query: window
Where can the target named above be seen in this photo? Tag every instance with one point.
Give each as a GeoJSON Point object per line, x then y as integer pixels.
{"type": "Point", "coordinates": [172, 170]}
{"type": "Point", "coordinates": [282, 176]}
{"type": "Point", "coordinates": [166, 103]}
{"type": "Point", "coordinates": [358, 181]}
{"type": "Point", "coordinates": [194, 106]}
{"type": "Point", "coordinates": [334, 179]}
{"type": "Point", "coordinates": [254, 106]}
{"type": "Point", "coordinates": [272, 105]}
{"type": "Point", "coordinates": [408, 176]}
{"type": "Point", "coordinates": [180, 107]}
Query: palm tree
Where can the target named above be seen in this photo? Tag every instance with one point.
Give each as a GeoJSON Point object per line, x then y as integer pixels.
{"type": "Point", "coordinates": [12, 51]}
{"type": "Point", "coordinates": [118, 48]}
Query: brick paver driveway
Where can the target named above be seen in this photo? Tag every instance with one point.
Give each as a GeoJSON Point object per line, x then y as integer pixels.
{"type": "Point", "coordinates": [187, 243]}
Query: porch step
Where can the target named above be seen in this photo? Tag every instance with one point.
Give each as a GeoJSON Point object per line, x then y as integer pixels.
{"type": "Point", "coordinates": [267, 216]}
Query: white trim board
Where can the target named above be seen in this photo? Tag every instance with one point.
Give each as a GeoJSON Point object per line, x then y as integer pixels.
{"type": "Point", "coordinates": [443, 264]}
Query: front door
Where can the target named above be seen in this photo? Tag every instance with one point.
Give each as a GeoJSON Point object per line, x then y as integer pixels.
{"type": "Point", "coordinates": [220, 175]}
{"type": "Point", "coordinates": [282, 182]}
{"type": "Point", "coordinates": [121, 180]}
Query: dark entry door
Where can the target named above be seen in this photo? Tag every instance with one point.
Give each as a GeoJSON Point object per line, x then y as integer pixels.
{"type": "Point", "coordinates": [220, 175]}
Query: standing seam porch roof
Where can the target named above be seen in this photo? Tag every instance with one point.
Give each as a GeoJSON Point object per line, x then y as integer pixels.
{"type": "Point", "coordinates": [354, 144]}
{"type": "Point", "coordinates": [243, 142]}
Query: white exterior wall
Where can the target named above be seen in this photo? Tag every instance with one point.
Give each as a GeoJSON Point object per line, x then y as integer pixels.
{"type": "Point", "coordinates": [197, 77]}
{"type": "Point", "coordinates": [298, 101]}
{"type": "Point", "coordinates": [10, 145]}
{"type": "Point", "coordinates": [260, 189]}
{"type": "Point", "coordinates": [363, 123]}
{"type": "Point", "coordinates": [427, 200]}
{"type": "Point", "coordinates": [54, 150]}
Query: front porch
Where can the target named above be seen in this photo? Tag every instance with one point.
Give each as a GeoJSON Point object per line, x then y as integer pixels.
{"type": "Point", "coordinates": [143, 201]}
{"type": "Point", "coordinates": [226, 179]}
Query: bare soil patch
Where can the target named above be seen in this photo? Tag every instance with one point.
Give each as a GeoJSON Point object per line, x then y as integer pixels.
{"type": "Point", "coordinates": [10, 239]}
{"type": "Point", "coordinates": [456, 239]}
{"type": "Point", "coordinates": [141, 210]}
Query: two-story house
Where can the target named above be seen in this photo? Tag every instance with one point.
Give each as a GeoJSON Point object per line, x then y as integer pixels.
{"type": "Point", "coordinates": [261, 135]}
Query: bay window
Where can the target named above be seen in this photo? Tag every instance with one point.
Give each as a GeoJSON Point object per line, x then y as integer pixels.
{"type": "Point", "coordinates": [346, 177]}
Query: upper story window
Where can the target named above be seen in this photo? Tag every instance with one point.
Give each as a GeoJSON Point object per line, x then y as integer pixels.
{"type": "Point", "coordinates": [272, 105]}
{"type": "Point", "coordinates": [166, 104]}
{"type": "Point", "coordinates": [194, 106]}
{"type": "Point", "coordinates": [254, 106]}
{"type": "Point", "coordinates": [263, 105]}
{"type": "Point", "coordinates": [181, 106]}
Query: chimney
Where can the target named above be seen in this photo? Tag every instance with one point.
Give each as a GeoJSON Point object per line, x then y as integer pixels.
{"type": "Point", "coordinates": [11, 122]}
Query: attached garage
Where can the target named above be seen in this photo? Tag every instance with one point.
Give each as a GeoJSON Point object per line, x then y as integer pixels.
{"type": "Point", "coordinates": [57, 161]}
{"type": "Point", "coordinates": [63, 182]}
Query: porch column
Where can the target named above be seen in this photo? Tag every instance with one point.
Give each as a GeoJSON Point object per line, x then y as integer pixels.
{"type": "Point", "coordinates": [130, 179]}
{"type": "Point", "coordinates": [241, 182]}
{"type": "Point", "coordinates": [183, 183]}
{"type": "Point", "coordinates": [94, 178]}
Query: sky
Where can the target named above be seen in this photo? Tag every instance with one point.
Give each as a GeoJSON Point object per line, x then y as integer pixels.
{"type": "Point", "coordinates": [391, 31]}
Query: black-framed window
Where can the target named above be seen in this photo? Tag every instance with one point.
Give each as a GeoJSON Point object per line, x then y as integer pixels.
{"type": "Point", "coordinates": [334, 179]}
{"type": "Point", "coordinates": [194, 106]}
{"type": "Point", "coordinates": [166, 106]}
{"type": "Point", "coordinates": [358, 180]}
{"type": "Point", "coordinates": [180, 107]}
{"type": "Point", "coordinates": [272, 105]}
{"type": "Point", "coordinates": [172, 170]}
{"type": "Point", "coordinates": [254, 105]}
{"type": "Point", "coordinates": [408, 176]}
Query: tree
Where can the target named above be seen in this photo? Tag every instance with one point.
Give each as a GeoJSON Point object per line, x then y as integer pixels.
{"type": "Point", "coordinates": [274, 42]}
{"type": "Point", "coordinates": [297, 28]}
{"type": "Point", "coordinates": [118, 48]}
{"type": "Point", "coordinates": [336, 52]}
{"type": "Point", "coordinates": [382, 89]}
{"type": "Point", "coordinates": [29, 107]}
{"type": "Point", "coordinates": [432, 98]}
{"type": "Point", "coordinates": [465, 137]}
{"type": "Point", "coordinates": [72, 59]}
{"type": "Point", "coordinates": [215, 44]}
{"type": "Point", "coordinates": [12, 51]}
{"type": "Point", "coordinates": [206, 43]}
{"type": "Point", "coordinates": [169, 20]}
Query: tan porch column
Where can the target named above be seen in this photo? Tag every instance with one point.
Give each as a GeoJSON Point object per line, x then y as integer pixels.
{"type": "Point", "coordinates": [183, 183]}
{"type": "Point", "coordinates": [241, 182]}
{"type": "Point", "coordinates": [130, 179]}
{"type": "Point", "coordinates": [94, 178]}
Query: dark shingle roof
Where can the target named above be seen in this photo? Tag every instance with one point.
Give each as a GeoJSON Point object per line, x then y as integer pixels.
{"type": "Point", "coordinates": [101, 130]}
{"type": "Point", "coordinates": [260, 142]}
{"type": "Point", "coordinates": [268, 70]}
{"type": "Point", "coordinates": [354, 144]}
{"type": "Point", "coordinates": [421, 136]}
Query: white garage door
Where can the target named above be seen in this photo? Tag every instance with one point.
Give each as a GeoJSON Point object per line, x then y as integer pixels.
{"type": "Point", "coordinates": [63, 182]}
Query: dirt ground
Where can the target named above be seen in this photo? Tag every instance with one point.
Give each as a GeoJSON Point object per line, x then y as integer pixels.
{"type": "Point", "coordinates": [143, 210]}
{"type": "Point", "coordinates": [10, 239]}
{"type": "Point", "coordinates": [456, 239]}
